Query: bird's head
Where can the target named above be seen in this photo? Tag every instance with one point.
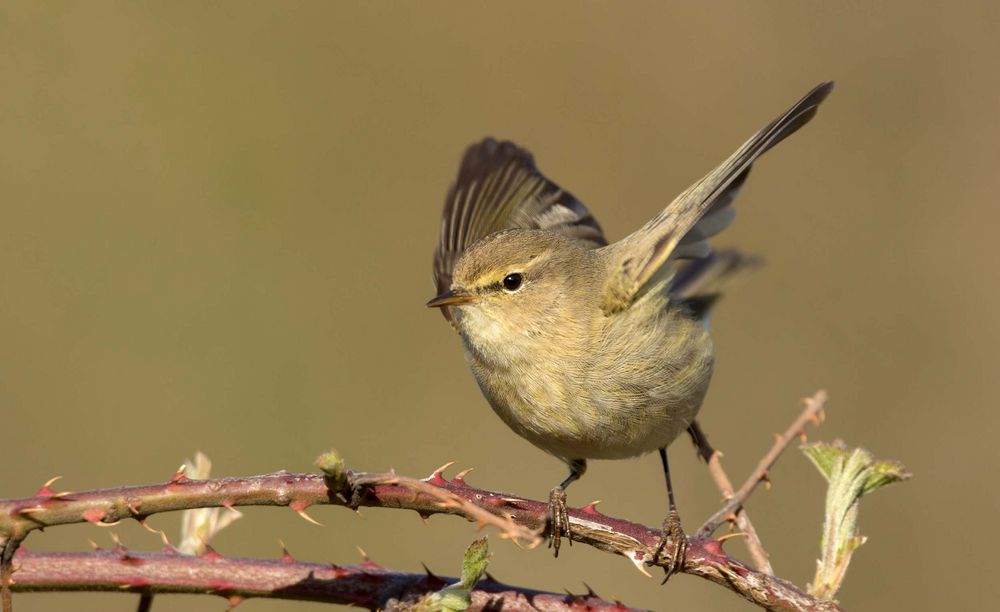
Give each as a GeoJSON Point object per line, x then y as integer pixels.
{"type": "Point", "coordinates": [513, 284]}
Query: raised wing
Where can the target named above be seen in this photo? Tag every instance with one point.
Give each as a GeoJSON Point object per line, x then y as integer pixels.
{"type": "Point", "coordinates": [498, 187]}
{"type": "Point", "coordinates": [701, 211]}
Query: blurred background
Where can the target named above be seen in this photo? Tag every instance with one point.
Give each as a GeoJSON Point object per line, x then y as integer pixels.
{"type": "Point", "coordinates": [217, 222]}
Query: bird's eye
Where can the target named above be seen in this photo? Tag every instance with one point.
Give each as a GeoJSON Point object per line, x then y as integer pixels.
{"type": "Point", "coordinates": [512, 282]}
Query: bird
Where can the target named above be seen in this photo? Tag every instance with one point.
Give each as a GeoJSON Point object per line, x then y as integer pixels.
{"type": "Point", "coordinates": [590, 349]}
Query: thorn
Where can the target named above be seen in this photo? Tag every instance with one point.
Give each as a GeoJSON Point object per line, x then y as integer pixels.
{"type": "Point", "coordinates": [46, 491]}
{"type": "Point", "coordinates": [180, 475]}
{"type": "Point", "coordinates": [490, 577]}
{"type": "Point", "coordinates": [714, 547]}
{"type": "Point", "coordinates": [460, 477]}
{"type": "Point", "coordinates": [228, 505]}
{"type": "Point", "coordinates": [590, 591]}
{"type": "Point", "coordinates": [730, 536]}
{"type": "Point", "coordinates": [778, 438]}
{"type": "Point", "coordinates": [437, 477]}
{"type": "Point", "coordinates": [342, 499]}
{"type": "Point", "coordinates": [210, 553]}
{"type": "Point", "coordinates": [431, 575]}
{"type": "Point", "coordinates": [128, 558]}
{"type": "Point", "coordinates": [93, 544]}
{"type": "Point", "coordinates": [96, 516]}
{"type": "Point", "coordinates": [285, 556]}
{"type": "Point", "coordinates": [591, 508]}
{"type": "Point", "coordinates": [637, 561]}
{"type": "Point", "coordinates": [122, 551]}
{"type": "Point", "coordinates": [234, 600]}
{"type": "Point", "coordinates": [299, 506]}
{"type": "Point", "coordinates": [133, 505]}
{"type": "Point", "coordinates": [310, 519]}
{"type": "Point", "coordinates": [366, 562]}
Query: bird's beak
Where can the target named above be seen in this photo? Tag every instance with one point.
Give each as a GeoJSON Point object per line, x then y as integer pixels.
{"type": "Point", "coordinates": [452, 297]}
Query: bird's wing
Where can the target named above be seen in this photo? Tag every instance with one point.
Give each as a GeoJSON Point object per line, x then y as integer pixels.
{"type": "Point", "coordinates": [498, 187]}
{"type": "Point", "coordinates": [701, 211]}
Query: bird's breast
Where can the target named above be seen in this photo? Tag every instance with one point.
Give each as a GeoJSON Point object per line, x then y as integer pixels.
{"type": "Point", "coordinates": [621, 389]}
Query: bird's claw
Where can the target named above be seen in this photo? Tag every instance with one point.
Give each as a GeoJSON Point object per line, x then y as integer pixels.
{"type": "Point", "coordinates": [557, 520]}
{"type": "Point", "coordinates": [673, 534]}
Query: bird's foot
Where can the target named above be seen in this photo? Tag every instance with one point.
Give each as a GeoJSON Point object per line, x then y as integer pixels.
{"type": "Point", "coordinates": [674, 535]}
{"type": "Point", "coordinates": [557, 521]}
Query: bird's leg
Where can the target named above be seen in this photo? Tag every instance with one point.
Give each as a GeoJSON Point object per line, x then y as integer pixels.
{"type": "Point", "coordinates": [557, 521]}
{"type": "Point", "coordinates": [672, 531]}
{"type": "Point", "coordinates": [700, 440]}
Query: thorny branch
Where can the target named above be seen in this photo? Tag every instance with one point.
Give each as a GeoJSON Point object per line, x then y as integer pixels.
{"type": "Point", "coordinates": [366, 585]}
{"type": "Point", "coordinates": [813, 412]}
{"type": "Point", "coordinates": [742, 519]}
{"type": "Point", "coordinates": [517, 518]}
{"type": "Point", "coordinates": [738, 515]}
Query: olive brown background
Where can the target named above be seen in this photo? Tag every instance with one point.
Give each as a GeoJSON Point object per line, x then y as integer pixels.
{"type": "Point", "coordinates": [217, 220]}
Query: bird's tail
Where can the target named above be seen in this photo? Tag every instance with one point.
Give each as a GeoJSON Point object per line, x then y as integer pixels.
{"type": "Point", "coordinates": [699, 283]}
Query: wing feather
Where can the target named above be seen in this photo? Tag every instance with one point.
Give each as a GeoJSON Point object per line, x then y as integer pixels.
{"type": "Point", "coordinates": [498, 187]}
{"type": "Point", "coordinates": [635, 260]}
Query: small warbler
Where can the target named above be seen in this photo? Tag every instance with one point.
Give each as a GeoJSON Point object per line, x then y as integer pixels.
{"type": "Point", "coordinates": [590, 350]}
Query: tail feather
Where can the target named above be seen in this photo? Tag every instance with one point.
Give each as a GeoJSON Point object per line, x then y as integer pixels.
{"type": "Point", "coordinates": [699, 283]}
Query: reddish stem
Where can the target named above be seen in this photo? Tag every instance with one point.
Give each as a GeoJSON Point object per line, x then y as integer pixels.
{"type": "Point", "coordinates": [366, 585]}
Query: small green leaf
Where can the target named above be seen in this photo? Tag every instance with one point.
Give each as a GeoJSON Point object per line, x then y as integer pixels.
{"type": "Point", "coordinates": [885, 473]}
{"type": "Point", "coordinates": [332, 464]}
{"type": "Point", "coordinates": [825, 456]}
{"type": "Point", "coordinates": [458, 596]}
{"type": "Point", "coordinates": [477, 557]}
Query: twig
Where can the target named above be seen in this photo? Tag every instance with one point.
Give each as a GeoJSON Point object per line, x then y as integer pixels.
{"type": "Point", "coordinates": [366, 585]}
{"type": "Point", "coordinates": [742, 519]}
{"type": "Point", "coordinates": [813, 411]}
{"type": "Point", "coordinates": [713, 459]}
